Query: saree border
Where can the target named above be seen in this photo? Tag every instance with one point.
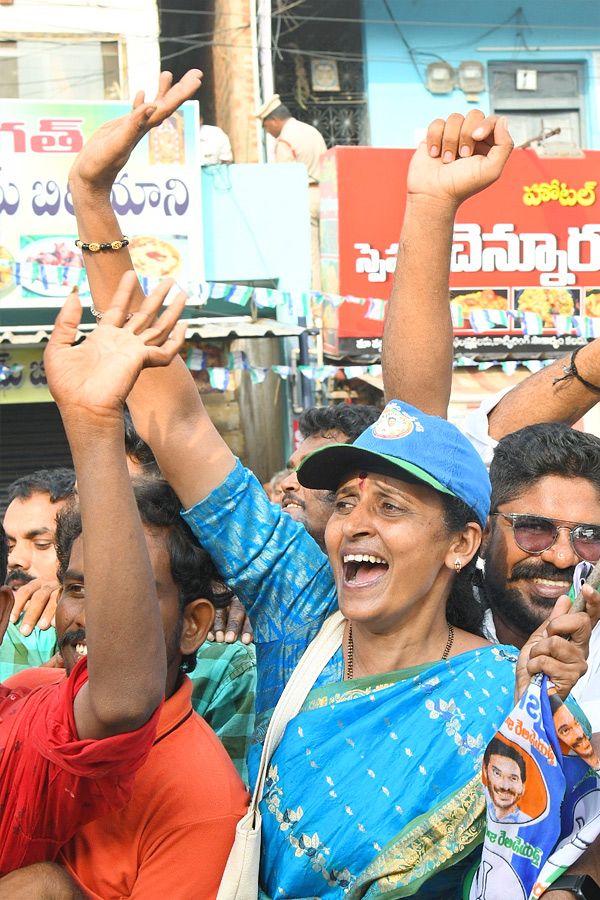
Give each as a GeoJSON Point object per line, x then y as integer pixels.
{"type": "Point", "coordinates": [426, 845]}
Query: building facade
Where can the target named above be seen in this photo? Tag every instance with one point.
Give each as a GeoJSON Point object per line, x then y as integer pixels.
{"type": "Point", "coordinates": [78, 51]}
{"type": "Point", "coordinates": [536, 61]}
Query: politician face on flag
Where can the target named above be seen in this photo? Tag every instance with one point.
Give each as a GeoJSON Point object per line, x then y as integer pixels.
{"type": "Point", "coordinates": [505, 773]}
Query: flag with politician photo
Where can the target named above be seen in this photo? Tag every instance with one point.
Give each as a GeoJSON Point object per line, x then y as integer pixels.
{"type": "Point", "coordinates": [542, 786]}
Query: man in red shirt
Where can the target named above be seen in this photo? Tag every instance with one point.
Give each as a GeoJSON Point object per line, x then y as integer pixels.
{"type": "Point", "coordinates": [174, 836]}
{"type": "Point", "coordinates": [68, 754]}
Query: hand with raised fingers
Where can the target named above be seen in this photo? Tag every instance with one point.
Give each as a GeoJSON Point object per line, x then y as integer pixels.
{"type": "Point", "coordinates": [37, 600]}
{"type": "Point", "coordinates": [461, 156]}
{"type": "Point", "coordinates": [109, 148]}
{"type": "Point", "coordinates": [98, 374]}
{"type": "Point", "coordinates": [559, 647]}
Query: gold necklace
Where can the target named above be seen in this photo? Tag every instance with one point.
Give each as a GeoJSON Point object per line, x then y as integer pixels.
{"type": "Point", "coordinates": [350, 660]}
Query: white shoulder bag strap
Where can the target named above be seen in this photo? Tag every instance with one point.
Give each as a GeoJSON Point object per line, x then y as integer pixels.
{"type": "Point", "coordinates": [240, 879]}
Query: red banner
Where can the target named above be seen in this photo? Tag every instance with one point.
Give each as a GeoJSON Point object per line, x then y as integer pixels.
{"type": "Point", "coordinates": [530, 244]}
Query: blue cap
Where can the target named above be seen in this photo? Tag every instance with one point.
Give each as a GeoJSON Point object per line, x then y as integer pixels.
{"type": "Point", "coordinates": [406, 444]}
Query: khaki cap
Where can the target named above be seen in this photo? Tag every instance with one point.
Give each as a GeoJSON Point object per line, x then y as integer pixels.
{"type": "Point", "coordinates": [269, 107]}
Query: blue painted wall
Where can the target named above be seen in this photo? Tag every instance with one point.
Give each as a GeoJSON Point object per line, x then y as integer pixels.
{"type": "Point", "coordinates": [256, 224]}
{"type": "Point", "coordinates": [400, 107]}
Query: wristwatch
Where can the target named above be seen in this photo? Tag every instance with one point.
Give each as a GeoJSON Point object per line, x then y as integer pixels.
{"type": "Point", "coordinates": [581, 886]}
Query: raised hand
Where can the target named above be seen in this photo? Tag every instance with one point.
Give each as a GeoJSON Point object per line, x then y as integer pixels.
{"type": "Point", "coordinates": [460, 157]}
{"type": "Point", "coordinates": [97, 374]}
{"type": "Point", "coordinates": [109, 148]}
{"type": "Point", "coordinates": [547, 651]}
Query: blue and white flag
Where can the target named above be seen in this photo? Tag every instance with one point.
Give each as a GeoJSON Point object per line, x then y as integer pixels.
{"type": "Point", "coordinates": [542, 786]}
{"type": "Point", "coordinates": [219, 378]}
{"type": "Point", "coordinates": [532, 323]}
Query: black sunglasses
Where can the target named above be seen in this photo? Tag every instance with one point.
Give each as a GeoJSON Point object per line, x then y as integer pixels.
{"type": "Point", "coordinates": [534, 534]}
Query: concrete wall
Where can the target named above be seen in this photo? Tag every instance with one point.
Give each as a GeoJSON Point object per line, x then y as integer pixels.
{"type": "Point", "coordinates": [400, 107]}
{"type": "Point", "coordinates": [235, 61]}
{"type": "Point", "coordinates": [134, 21]}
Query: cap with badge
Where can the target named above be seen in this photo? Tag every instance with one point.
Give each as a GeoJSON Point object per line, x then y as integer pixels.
{"type": "Point", "coordinates": [405, 443]}
{"type": "Point", "coordinates": [269, 107]}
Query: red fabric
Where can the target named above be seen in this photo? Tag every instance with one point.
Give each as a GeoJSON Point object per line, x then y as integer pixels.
{"type": "Point", "coordinates": [52, 783]}
{"type": "Point", "coordinates": [38, 676]}
{"type": "Point", "coordinates": [173, 839]}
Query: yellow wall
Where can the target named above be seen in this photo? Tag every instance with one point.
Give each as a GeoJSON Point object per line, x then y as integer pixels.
{"type": "Point", "coordinates": [28, 385]}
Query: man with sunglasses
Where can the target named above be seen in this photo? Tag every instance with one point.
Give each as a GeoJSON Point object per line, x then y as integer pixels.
{"type": "Point", "coordinates": [545, 519]}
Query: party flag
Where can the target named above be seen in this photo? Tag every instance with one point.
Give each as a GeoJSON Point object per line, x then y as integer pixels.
{"type": "Point", "coordinates": [563, 324]}
{"type": "Point", "coordinates": [283, 371]}
{"type": "Point", "coordinates": [376, 309]}
{"type": "Point", "coordinates": [219, 378]}
{"type": "Point", "coordinates": [196, 359]}
{"type": "Point", "coordinates": [238, 360]}
{"type": "Point", "coordinates": [534, 365]}
{"type": "Point", "coordinates": [258, 374]}
{"type": "Point", "coordinates": [532, 323]}
{"type": "Point", "coordinates": [539, 826]}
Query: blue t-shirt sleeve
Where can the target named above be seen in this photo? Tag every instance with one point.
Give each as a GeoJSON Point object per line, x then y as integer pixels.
{"type": "Point", "coordinates": [274, 566]}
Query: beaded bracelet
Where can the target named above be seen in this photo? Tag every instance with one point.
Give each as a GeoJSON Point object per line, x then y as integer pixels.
{"type": "Point", "coordinates": [94, 247]}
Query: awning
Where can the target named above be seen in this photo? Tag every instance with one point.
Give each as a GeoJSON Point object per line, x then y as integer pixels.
{"type": "Point", "coordinates": [202, 327]}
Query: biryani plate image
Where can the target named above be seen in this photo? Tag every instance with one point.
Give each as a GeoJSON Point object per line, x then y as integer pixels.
{"type": "Point", "coordinates": [546, 302]}
{"type": "Point", "coordinates": [154, 257]}
{"type": "Point", "coordinates": [592, 302]}
{"type": "Point", "coordinates": [483, 299]}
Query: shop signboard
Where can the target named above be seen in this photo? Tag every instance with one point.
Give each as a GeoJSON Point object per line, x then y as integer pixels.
{"type": "Point", "coordinates": [22, 376]}
{"type": "Point", "coordinates": [525, 270]}
{"type": "Point", "coordinates": [156, 197]}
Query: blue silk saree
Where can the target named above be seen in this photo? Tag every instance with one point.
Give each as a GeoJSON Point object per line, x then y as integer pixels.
{"type": "Point", "coordinates": [375, 789]}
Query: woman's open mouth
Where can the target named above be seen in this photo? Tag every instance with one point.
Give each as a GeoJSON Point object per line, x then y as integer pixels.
{"type": "Point", "coordinates": [363, 569]}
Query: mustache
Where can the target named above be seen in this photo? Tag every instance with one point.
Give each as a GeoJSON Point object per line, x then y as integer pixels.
{"type": "Point", "coordinates": [528, 569]}
{"type": "Point", "coordinates": [71, 638]}
{"type": "Point", "coordinates": [18, 575]}
{"type": "Point", "coordinates": [290, 498]}
{"type": "Point", "coordinates": [504, 791]}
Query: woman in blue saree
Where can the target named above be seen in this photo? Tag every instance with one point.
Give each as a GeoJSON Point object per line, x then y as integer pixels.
{"type": "Point", "coordinates": [375, 788]}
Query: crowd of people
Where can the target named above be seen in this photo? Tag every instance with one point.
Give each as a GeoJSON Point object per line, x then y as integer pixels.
{"type": "Point", "coordinates": [406, 595]}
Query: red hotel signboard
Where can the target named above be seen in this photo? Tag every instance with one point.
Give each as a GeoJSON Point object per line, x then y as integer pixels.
{"type": "Point", "coordinates": [530, 243]}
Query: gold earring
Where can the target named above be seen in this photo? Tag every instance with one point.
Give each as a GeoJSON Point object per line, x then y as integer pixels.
{"type": "Point", "coordinates": [457, 565]}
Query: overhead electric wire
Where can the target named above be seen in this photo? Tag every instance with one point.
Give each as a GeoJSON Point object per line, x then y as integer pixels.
{"type": "Point", "coordinates": [405, 42]}
{"type": "Point", "coordinates": [340, 19]}
{"type": "Point", "coordinates": [199, 40]}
